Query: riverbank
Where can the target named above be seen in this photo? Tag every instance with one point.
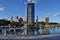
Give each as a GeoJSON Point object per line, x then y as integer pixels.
{"type": "Point", "coordinates": [28, 36]}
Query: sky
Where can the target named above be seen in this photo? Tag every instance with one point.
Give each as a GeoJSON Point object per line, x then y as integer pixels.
{"type": "Point", "coordinates": [43, 8]}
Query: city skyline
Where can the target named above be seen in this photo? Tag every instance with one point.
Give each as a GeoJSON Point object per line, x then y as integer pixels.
{"type": "Point", "coordinates": [43, 8]}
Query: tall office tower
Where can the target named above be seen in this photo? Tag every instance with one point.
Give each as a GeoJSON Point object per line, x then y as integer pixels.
{"type": "Point", "coordinates": [11, 19]}
{"type": "Point", "coordinates": [16, 19]}
{"type": "Point", "coordinates": [46, 20]}
{"type": "Point", "coordinates": [30, 12]}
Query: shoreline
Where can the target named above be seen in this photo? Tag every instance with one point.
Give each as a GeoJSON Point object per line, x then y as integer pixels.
{"type": "Point", "coordinates": [27, 36]}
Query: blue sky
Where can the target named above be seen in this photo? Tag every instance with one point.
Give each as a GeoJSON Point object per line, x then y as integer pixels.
{"type": "Point", "coordinates": [43, 8]}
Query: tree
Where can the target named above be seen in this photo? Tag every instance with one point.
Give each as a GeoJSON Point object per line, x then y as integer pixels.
{"type": "Point", "coordinates": [21, 25]}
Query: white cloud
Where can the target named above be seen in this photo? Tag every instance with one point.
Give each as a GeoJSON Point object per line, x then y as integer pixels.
{"type": "Point", "coordinates": [29, 0]}
{"type": "Point", "coordinates": [56, 14]}
{"type": "Point", "coordinates": [2, 8]}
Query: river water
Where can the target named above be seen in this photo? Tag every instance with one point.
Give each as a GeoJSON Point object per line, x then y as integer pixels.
{"type": "Point", "coordinates": [55, 30]}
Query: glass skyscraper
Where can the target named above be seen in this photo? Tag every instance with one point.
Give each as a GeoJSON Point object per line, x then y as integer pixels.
{"type": "Point", "coordinates": [30, 13]}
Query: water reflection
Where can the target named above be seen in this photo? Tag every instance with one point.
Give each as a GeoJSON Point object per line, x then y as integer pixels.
{"type": "Point", "coordinates": [18, 31]}
{"type": "Point", "coordinates": [55, 30]}
{"type": "Point", "coordinates": [31, 31]}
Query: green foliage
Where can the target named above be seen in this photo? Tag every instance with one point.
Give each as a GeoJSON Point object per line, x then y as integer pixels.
{"type": "Point", "coordinates": [21, 25]}
{"type": "Point", "coordinates": [4, 22]}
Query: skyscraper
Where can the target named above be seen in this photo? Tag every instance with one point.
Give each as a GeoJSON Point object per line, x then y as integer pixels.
{"type": "Point", "coordinates": [11, 19]}
{"type": "Point", "coordinates": [36, 18]}
{"type": "Point", "coordinates": [25, 19]}
{"type": "Point", "coordinates": [30, 13]}
{"type": "Point", "coordinates": [46, 20]}
{"type": "Point", "coordinates": [16, 19]}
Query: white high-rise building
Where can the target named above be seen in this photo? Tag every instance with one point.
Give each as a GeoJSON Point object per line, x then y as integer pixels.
{"type": "Point", "coordinates": [11, 19]}
{"type": "Point", "coordinates": [16, 19]}
{"type": "Point", "coordinates": [24, 19]}
{"type": "Point", "coordinates": [46, 20]}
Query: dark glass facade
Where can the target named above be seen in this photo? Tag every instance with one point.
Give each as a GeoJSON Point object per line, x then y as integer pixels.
{"type": "Point", "coordinates": [30, 13]}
